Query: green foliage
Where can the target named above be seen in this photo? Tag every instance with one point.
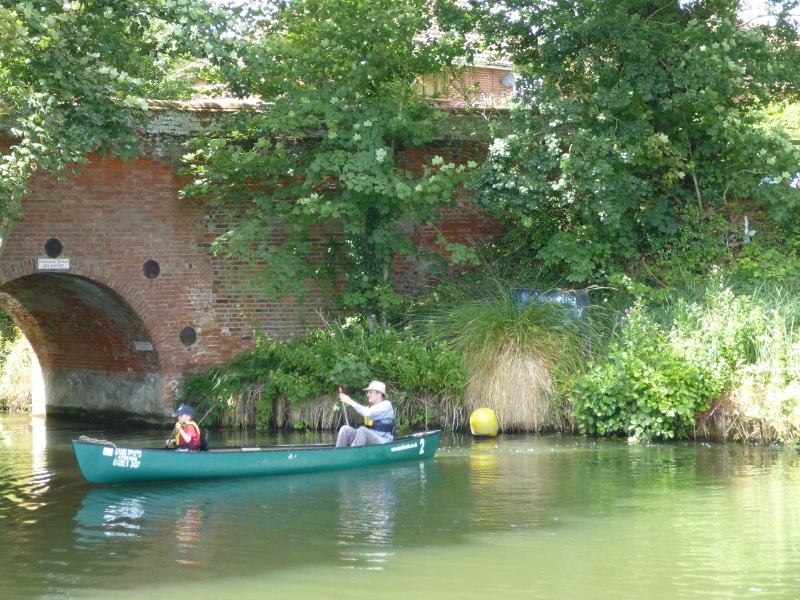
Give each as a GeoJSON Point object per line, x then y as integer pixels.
{"type": "Point", "coordinates": [748, 330]}
{"type": "Point", "coordinates": [211, 391]}
{"type": "Point", "coordinates": [759, 263]}
{"type": "Point", "coordinates": [645, 388]}
{"type": "Point", "coordinates": [670, 360]}
{"type": "Point", "coordinates": [338, 103]}
{"type": "Point", "coordinates": [15, 367]}
{"type": "Point", "coordinates": [171, 72]}
{"type": "Point", "coordinates": [629, 111]}
{"type": "Point", "coordinates": [763, 241]}
{"type": "Point", "coordinates": [73, 76]}
{"type": "Point", "coordinates": [684, 257]}
{"type": "Point", "coordinates": [304, 371]}
{"type": "Point", "coordinates": [487, 318]}
{"type": "Point", "coordinates": [786, 116]}
{"type": "Point", "coordinates": [749, 338]}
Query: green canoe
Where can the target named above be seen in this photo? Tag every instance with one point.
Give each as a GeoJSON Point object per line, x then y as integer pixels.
{"type": "Point", "coordinates": [104, 462]}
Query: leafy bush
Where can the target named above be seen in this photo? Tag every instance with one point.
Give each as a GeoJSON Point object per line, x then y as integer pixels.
{"type": "Point", "coordinates": [598, 162]}
{"type": "Point", "coordinates": [757, 264]}
{"type": "Point", "coordinates": [685, 253]}
{"type": "Point", "coordinates": [750, 340]}
{"type": "Point", "coordinates": [645, 388]}
{"type": "Point", "coordinates": [670, 360]}
{"type": "Point", "coordinates": [300, 373]}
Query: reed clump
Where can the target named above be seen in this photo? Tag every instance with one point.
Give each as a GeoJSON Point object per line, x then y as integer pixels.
{"type": "Point", "coordinates": [518, 358]}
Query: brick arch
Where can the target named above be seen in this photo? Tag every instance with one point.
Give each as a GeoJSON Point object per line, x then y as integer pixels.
{"type": "Point", "coordinates": [112, 217]}
{"type": "Point", "coordinates": [92, 341]}
{"type": "Point", "coordinates": [92, 271]}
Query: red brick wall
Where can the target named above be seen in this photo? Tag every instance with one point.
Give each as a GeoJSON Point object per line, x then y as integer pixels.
{"type": "Point", "coordinates": [111, 219]}
{"type": "Point", "coordinates": [116, 215]}
{"type": "Point", "coordinates": [478, 86]}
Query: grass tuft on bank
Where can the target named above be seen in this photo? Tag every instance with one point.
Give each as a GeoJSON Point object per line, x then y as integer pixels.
{"type": "Point", "coordinates": [518, 357]}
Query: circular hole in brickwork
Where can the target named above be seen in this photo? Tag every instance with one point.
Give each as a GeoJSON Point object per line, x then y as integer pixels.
{"type": "Point", "coordinates": [188, 336]}
{"type": "Point", "coordinates": [151, 269]}
{"type": "Point", "coordinates": [53, 247]}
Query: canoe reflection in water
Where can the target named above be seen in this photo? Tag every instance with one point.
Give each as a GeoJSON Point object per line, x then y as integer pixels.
{"type": "Point", "coordinates": [367, 516]}
{"type": "Point", "coordinates": [351, 518]}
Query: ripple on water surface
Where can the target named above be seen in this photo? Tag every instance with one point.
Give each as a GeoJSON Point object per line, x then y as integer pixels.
{"type": "Point", "coordinates": [515, 516]}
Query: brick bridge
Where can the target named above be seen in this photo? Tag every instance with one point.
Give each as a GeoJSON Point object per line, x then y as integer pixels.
{"type": "Point", "coordinates": [108, 276]}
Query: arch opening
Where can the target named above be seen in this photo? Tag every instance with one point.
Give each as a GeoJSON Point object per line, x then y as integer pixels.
{"type": "Point", "coordinates": [96, 356]}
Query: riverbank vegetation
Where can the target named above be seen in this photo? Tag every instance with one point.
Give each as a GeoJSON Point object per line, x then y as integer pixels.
{"type": "Point", "coordinates": [15, 368]}
{"type": "Point", "coordinates": [295, 383]}
{"type": "Point", "coordinates": [710, 362]}
{"type": "Point", "coordinates": [646, 158]}
{"type": "Point", "coordinates": [519, 352]}
{"type": "Point", "coordinates": [643, 158]}
{"type": "Point", "coordinates": [458, 349]}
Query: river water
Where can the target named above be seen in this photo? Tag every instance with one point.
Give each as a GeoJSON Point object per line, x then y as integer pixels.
{"type": "Point", "coordinates": [512, 517]}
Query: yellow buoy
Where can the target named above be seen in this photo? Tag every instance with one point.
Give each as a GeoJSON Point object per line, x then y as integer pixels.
{"type": "Point", "coordinates": [483, 421]}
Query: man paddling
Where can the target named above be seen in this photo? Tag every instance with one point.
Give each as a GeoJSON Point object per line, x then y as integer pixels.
{"type": "Point", "coordinates": [187, 432]}
{"type": "Point", "coordinates": [378, 425]}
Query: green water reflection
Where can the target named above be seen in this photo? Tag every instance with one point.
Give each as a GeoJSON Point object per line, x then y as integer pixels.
{"type": "Point", "coordinates": [515, 517]}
